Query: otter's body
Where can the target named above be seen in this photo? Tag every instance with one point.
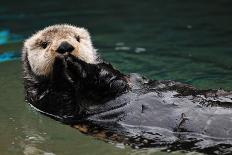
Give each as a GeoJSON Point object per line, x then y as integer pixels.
{"type": "Point", "coordinates": [80, 91]}
{"type": "Point", "coordinates": [171, 114]}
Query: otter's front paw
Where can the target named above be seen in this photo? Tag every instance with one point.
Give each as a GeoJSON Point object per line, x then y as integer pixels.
{"type": "Point", "coordinates": [76, 67]}
{"type": "Point", "coordinates": [59, 75]}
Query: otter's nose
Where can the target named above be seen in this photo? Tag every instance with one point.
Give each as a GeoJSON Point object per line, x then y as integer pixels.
{"type": "Point", "coordinates": [65, 47]}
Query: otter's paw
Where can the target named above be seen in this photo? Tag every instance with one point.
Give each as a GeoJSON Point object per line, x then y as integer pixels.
{"type": "Point", "coordinates": [59, 73]}
{"type": "Point", "coordinates": [76, 67]}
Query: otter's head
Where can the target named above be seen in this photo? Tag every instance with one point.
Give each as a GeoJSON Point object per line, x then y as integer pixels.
{"type": "Point", "coordinates": [41, 49]}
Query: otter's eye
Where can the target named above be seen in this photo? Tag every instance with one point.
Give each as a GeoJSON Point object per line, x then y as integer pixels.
{"type": "Point", "coordinates": [77, 38]}
{"type": "Point", "coordinates": [44, 45]}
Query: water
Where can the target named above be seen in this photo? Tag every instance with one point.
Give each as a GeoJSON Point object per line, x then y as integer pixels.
{"type": "Point", "coordinates": [187, 41]}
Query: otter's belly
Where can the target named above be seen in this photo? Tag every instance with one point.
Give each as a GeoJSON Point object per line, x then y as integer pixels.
{"type": "Point", "coordinates": [162, 115]}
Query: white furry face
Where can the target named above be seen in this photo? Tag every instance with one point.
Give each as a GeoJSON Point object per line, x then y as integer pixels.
{"type": "Point", "coordinates": [41, 48]}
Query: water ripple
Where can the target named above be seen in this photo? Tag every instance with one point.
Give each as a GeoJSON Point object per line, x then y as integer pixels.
{"type": "Point", "coordinates": [7, 56]}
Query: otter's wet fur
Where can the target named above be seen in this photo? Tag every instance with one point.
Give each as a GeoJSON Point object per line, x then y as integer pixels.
{"type": "Point", "coordinates": [89, 94]}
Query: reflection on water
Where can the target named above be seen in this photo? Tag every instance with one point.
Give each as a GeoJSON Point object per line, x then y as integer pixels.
{"type": "Point", "coordinates": [188, 41]}
{"type": "Point", "coordinates": [7, 56]}
{"type": "Point", "coordinates": [6, 37]}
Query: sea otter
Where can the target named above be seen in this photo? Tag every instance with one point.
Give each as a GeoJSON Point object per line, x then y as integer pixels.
{"type": "Point", "coordinates": [66, 79]}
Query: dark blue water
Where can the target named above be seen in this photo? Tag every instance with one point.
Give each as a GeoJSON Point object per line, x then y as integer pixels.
{"type": "Point", "coordinates": [187, 41]}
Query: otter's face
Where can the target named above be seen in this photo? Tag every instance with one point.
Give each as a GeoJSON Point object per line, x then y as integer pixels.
{"type": "Point", "coordinates": [42, 48]}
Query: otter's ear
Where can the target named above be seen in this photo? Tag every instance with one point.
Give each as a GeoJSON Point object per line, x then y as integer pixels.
{"type": "Point", "coordinates": [24, 51]}
{"type": "Point", "coordinates": [84, 33]}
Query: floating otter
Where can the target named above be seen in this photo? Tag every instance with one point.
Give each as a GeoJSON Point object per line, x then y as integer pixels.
{"type": "Point", "coordinates": [65, 79]}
